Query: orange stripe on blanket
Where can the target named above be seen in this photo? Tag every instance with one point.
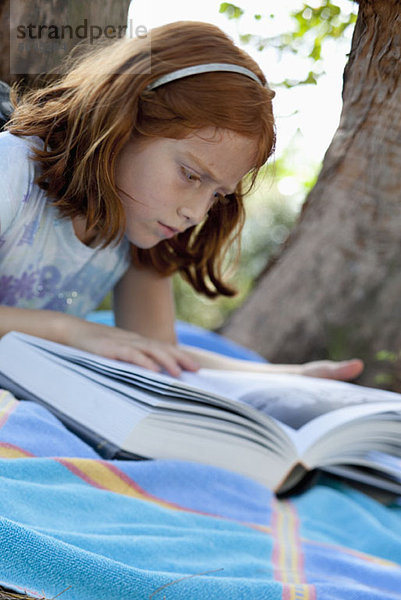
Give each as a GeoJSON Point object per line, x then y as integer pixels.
{"type": "Point", "coordinates": [11, 451]}
{"type": "Point", "coordinates": [106, 476]}
{"type": "Point", "coordinates": [362, 555]}
{"type": "Point", "coordinates": [7, 405]}
{"type": "Point", "coordinates": [287, 555]}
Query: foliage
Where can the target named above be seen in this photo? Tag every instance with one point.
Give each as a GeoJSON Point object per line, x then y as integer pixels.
{"type": "Point", "coordinates": [389, 369]}
{"type": "Point", "coordinates": [312, 26]}
{"type": "Point", "coordinates": [232, 11]}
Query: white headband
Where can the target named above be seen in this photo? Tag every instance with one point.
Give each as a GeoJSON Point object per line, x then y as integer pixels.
{"type": "Point", "coordinates": [204, 68]}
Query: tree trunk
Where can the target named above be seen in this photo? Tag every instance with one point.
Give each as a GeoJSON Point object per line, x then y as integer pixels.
{"type": "Point", "coordinates": [334, 291]}
{"type": "Point", "coordinates": [39, 52]}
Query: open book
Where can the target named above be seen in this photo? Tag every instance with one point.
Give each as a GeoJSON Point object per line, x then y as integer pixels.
{"type": "Point", "coordinates": [272, 428]}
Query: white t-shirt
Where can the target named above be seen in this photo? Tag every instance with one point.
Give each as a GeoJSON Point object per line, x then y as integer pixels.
{"type": "Point", "coordinates": [42, 262]}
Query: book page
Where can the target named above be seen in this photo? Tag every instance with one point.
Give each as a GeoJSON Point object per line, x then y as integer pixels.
{"type": "Point", "coordinates": [291, 399]}
{"type": "Point", "coordinates": [345, 428]}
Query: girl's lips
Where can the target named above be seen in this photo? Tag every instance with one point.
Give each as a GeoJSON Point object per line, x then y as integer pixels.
{"type": "Point", "coordinates": [167, 231]}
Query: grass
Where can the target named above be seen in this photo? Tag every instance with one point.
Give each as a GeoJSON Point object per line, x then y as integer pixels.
{"type": "Point", "coordinates": [6, 594]}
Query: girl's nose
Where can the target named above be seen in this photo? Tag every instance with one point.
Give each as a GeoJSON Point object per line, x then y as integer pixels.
{"type": "Point", "coordinates": [194, 211]}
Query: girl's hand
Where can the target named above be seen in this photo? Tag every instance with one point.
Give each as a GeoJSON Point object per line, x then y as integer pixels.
{"type": "Point", "coordinates": [119, 344]}
{"type": "Point", "coordinates": [345, 370]}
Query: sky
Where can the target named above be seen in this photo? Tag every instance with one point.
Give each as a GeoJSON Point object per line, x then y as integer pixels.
{"type": "Point", "coordinates": [307, 115]}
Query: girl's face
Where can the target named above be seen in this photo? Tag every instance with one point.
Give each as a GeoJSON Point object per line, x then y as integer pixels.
{"type": "Point", "coordinates": [167, 185]}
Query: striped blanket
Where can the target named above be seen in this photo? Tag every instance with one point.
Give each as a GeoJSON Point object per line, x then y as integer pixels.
{"type": "Point", "coordinates": [74, 525]}
{"type": "Point", "coordinates": [94, 529]}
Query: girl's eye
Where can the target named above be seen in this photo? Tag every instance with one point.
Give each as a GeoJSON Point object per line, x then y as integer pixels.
{"type": "Point", "coordinates": [194, 178]}
{"type": "Point", "coordinates": [189, 175]}
{"type": "Point", "coordinates": [219, 197]}
{"type": "Point", "coordinates": [223, 199]}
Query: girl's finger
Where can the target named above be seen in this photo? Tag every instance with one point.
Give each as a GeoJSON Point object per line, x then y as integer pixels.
{"type": "Point", "coordinates": [165, 358]}
{"type": "Point", "coordinates": [137, 357]}
{"type": "Point", "coordinates": [185, 361]}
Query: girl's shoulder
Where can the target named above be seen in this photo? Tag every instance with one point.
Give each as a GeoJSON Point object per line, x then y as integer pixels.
{"type": "Point", "coordinates": [17, 174]}
{"type": "Point", "coordinates": [16, 155]}
{"type": "Point", "coordinates": [17, 147]}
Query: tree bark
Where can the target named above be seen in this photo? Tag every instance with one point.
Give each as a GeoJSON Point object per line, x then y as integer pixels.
{"type": "Point", "coordinates": [45, 52]}
{"type": "Point", "coordinates": [334, 290]}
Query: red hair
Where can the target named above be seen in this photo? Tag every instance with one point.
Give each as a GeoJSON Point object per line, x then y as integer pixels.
{"type": "Point", "coordinates": [86, 117]}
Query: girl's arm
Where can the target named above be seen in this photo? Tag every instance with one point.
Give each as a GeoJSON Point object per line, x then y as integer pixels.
{"type": "Point", "coordinates": [145, 333]}
{"type": "Point", "coordinates": [111, 342]}
{"type": "Point", "coordinates": [47, 324]}
{"type": "Point", "coordinates": [143, 302]}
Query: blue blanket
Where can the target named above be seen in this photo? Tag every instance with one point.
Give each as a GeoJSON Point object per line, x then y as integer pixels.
{"type": "Point", "coordinates": [92, 529]}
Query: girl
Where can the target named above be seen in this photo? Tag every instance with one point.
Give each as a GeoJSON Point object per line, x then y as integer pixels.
{"type": "Point", "coordinates": [116, 176]}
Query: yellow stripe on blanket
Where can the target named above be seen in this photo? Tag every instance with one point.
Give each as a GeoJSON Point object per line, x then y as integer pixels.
{"type": "Point", "coordinates": [350, 551]}
{"type": "Point", "coordinates": [298, 592]}
{"type": "Point", "coordinates": [287, 555]}
{"type": "Point", "coordinates": [11, 451]}
{"type": "Point", "coordinates": [107, 476]}
{"type": "Point", "coordinates": [7, 405]}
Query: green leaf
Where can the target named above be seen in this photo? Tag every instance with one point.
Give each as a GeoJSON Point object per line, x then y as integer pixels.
{"type": "Point", "coordinates": [386, 355]}
{"type": "Point", "coordinates": [316, 52]}
{"type": "Point", "coordinates": [384, 379]}
{"type": "Point", "coordinates": [312, 78]}
{"type": "Point", "coordinates": [232, 11]}
{"type": "Point", "coordinates": [245, 38]}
